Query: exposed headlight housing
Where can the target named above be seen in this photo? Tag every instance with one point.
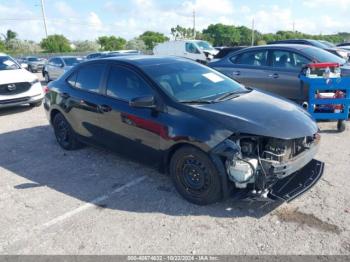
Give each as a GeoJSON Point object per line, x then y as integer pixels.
{"type": "Point", "coordinates": [241, 171]}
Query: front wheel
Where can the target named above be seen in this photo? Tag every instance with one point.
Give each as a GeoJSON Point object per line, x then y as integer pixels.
{"type": "Point", "coordinates": [341, 125]}
{"type": "Point", "coordinates": [47, 77]}
{"type": "Point", "coordinates": [195, 176]}
{"type": "Point", "coordinates": [64, 133]}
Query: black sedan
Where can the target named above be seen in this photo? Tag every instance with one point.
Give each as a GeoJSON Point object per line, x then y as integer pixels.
{"type": "Point", "coordinates": [214, 136]}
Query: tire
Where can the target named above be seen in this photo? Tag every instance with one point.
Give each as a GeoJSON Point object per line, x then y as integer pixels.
{"type": "Point", "coordinates": [30, 69]}
{"type": "Point", "coordinates": [47, 77]}
{"type": "Point", "coordinates": [341, 125]}
{"type": "Point", "coordinates": [195, 176]}
{"type": "Point", "coordinates": [36, 104]}
{"type": "Point", "coordinates": [64, 133]}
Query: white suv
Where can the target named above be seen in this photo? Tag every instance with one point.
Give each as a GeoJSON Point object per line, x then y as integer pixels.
{"type": "Point", "coordinates": [17, 85]}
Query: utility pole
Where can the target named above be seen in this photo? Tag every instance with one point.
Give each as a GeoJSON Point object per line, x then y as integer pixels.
{"type": "Point", "coordinates": [44, 16]}
{"type": "Point", "coordinates": [194, 24]}
{"type": "Point", "coordinates": [253, 32]}
{"type": "Point", "coordinates": [293, 26]}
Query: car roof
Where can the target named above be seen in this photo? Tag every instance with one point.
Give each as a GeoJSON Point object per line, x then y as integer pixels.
{"type": "Point", "coordinates": [146, 60]}
{"type": "Point", "coordinates": [275, 46]}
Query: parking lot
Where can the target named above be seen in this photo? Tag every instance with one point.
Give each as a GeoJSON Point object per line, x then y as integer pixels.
{"type": "Point", "coordinates": [91, 201]}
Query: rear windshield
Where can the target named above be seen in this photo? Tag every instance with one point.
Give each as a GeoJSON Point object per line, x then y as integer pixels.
{"type": "Point", "coordinates": [323, 56]}
{"type": "Point", "coordinates": [34, 59]}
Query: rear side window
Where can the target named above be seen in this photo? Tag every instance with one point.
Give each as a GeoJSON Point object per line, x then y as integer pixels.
{"type": "Point", "coordinates": [254, 58]}
{"type": "Point", "coordinates": [89, 77]}
{"type": "Point", "coordinates": [72, 78]}
{"type": "Point", "coordinates": [125, 84]}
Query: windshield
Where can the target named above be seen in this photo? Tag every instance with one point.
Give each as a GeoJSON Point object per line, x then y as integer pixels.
{"type": "Point", "coordinates": [71, 61]}
{"type": "Point", "coordinates": [204, 45]}
{"type": "Point", "coordinates": [188, 81]}
{"type": "Point", "coordinates": [34, 59]}
{"type": "Point", "coordinates": [322, 55]}
{"type": "Point", "coordinates": [7, 63]}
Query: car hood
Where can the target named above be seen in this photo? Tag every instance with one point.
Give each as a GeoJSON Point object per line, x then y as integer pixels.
{"type": "Point", "coordinates": [258, 113]}
{"type": "Point", "coordinates": [16, 76]}
{"type": "Point", "coordinates": [37, 63]}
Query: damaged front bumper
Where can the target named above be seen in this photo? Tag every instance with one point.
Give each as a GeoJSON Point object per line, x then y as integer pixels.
{"type": "Point", "coordinates": [280, 181]}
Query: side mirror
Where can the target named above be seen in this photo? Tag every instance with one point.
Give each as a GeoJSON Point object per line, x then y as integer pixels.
{"type": "Point", "coordinates": [60, 65]}
{"type": "Point", "coordinates": [143, 102]}
{"type": "Point", "coordinates": [25, 66]}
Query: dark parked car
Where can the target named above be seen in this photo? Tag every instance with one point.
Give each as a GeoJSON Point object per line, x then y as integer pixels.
{"type": "Point", "coordinates": [224, 51]}
{"type": "Point", "coordinates": [332, 49]}
{"type": "Point", "coordinates": [275, 68]}
{"type": "Point", "coordinates": [213, 135]}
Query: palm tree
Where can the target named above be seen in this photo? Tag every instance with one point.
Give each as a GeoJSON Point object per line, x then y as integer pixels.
{"type": "Point", "coordinates": [9, 35]}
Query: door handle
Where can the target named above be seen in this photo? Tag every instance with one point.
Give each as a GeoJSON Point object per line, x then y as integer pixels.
{"type": "Point", "coordinates": [105, 108]}
{"type": "Point", "coordinates": [236, 73]}
{"type": "Point", "coordinates": [275, 75]}
{"type": "Point", "coordinates": [65, 95]}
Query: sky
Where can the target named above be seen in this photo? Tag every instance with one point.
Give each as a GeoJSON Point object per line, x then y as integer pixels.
{"type": "Point", "coordinates": [88, 19]}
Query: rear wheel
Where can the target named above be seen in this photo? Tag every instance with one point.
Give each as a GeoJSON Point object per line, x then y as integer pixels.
{"type": "Point", "coordinates": [195, 176]}
{"type": "Point", "coordinates": [65, 135]}
{"type": "Point", "coordinates": [341, 125]}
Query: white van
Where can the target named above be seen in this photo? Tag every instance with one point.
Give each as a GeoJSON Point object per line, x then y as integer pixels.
{"type": "Point", "coordinates": [198, 50]}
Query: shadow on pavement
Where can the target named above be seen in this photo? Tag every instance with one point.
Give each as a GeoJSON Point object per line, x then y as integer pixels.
{"type": "Point", "coordinates": [14, 110]}
{"type": "Point", "coordinates": [89, 173]}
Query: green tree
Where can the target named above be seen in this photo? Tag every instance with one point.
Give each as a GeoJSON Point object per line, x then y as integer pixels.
{"type": "Point", "coordinates": [17, 46]}
{"type": "Point", "coordinates": [136, 44]}
{"type": "Point", "coordinates": [55, 44]}
{"type": "Point", "coordinates": [152, 38]}
{"type": "Point", "coordinates": [180, 32]}
{"type": "Point", "coordinates": [86, 45]}
{"type": "Point", "coordinates": [9, 35]}
{"type": "Point", "coordinates": [222, 35]}
{"type": "Point", "coordinates": [2, 46]}
{"type": "Point", "coordinates": [110, 43]}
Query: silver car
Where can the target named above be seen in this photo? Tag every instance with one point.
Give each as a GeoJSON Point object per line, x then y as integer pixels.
{"type": "Point", "coordinates": [57, 66]}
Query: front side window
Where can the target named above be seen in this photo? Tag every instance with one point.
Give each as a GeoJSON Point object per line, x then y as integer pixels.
{"type": "Point", "coordinates": [125, 84]}
{"type": "Point", "coordinates": [191, 48]}
{"type": "Point", "coordinates": [89, 77]}
{"type": "Point", "coordinates": [253, 58]}
{"type": "Point", "coordinates": [288, 60]}
{"type": "Point", "coordinates": [188, 81]}
{"type": "Point", "coordinates": [7, 63]}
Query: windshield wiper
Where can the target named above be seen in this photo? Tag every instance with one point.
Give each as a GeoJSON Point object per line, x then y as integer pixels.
{"type": "Point", "coordinates": [199, 101]}
{"type": "Point", "coordinates": [231, 95]}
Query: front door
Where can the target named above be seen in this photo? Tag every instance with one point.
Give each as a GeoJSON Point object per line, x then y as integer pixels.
{"type": "Point", "coordinates": [283, 76]}
{"type": "Point", "coordinates": [134, 132]}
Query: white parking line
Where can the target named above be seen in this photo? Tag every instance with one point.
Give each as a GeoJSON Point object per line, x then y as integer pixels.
{"type": "Point", "coordinates": [38, 229]}
{"type": "Point", "coordinates": [92, 203]}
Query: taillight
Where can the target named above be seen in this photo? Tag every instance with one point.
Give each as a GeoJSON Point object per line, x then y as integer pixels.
{"type": "Point", "coordinates": [45, 89]}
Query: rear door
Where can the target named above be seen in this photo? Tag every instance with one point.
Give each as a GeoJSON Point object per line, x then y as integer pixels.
{"type": "Point", "coordinates": [248, 68]}
{"type": "Point", "coordinates": [283, 75]}
{"type": "Point", "coordinates": [84, 100]}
